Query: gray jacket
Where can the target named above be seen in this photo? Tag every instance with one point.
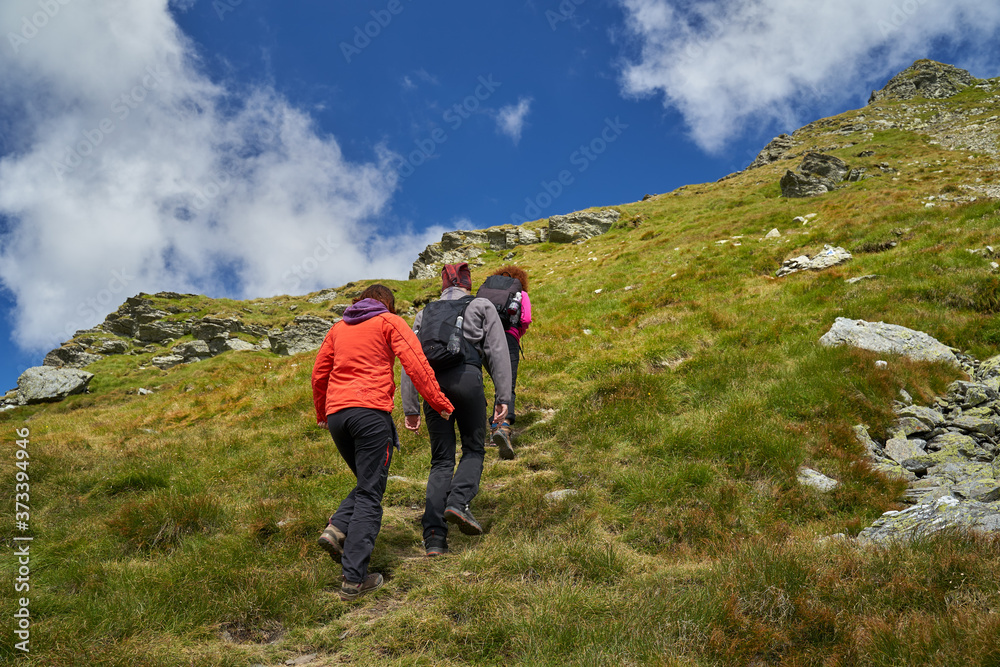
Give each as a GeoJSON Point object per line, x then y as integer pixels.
{"type": "Point", "coordinates": [482, 328]}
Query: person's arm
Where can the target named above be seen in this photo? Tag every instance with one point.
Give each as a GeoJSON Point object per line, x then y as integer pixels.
{"type": "Point", "coordinates": [418, 371]}
{"type": "Point", "coordinates": [497, 353]}
{"type": "Point", "coordinates": [321, 376]}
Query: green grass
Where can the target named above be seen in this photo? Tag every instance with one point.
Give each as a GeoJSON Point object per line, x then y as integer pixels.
{"type": "Point", "coordinates": [178, 528]}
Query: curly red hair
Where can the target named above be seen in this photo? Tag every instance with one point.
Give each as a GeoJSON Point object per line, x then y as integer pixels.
{"type": "Point", "coordinates": [513, 271]}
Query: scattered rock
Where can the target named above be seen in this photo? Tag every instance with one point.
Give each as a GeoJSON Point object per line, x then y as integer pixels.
{"type": "Point", "coordinates": [773, 234]}
{"type": "Point", "coordinates": [560, 495]}
{"type": "Point", "coordinates": [828, 257]}
{"type": "Point", "coordinates": [44, 384]}
{"type": "Point", "coordinates": [168, 361]}
{"type": "Point", "coordinates": [881, 337]}
{"type": "Point", "coordinates": [816, 480]}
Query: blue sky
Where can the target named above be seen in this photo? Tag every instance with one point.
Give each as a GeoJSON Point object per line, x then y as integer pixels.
{"type": "Point", "coordinates": [251, 148]}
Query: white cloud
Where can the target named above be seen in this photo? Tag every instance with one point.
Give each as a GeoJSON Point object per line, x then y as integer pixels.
{"type": "Point", "coordinates": [128, 170]}
{"type": "Point", "coordinates": [510, 119]}
{"type": "Point", "coordinates": [725, 64]}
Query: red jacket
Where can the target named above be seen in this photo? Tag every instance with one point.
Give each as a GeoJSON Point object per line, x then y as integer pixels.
{"type": "Point", "coordinates": [354, 367]}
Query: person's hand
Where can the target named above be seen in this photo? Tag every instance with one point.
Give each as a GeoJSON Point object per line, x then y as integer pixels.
{"type": "Point", "coordinates": [412, 422]}
{"type": "Point", "coordinates": [445, 415]}
{"type": "Point", "coordinates": [322, 424]}
{"type": "Point", "coordinates": [499, 413]}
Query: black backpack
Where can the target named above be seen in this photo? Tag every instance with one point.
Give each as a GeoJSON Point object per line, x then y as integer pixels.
{"type": "Point", "coordinates": [503, 292]}
{"type": "Point", "coordinates": [440, 335]}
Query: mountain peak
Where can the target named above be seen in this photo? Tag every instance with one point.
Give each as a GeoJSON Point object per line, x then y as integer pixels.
{"type": "Point", "coordinates": [924, 78]}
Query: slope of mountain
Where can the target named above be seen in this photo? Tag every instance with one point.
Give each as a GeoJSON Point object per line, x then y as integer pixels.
{"type": "Point", "coordinates": [672, 389]}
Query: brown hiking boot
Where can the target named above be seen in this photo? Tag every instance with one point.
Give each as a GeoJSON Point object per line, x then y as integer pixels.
{"type": "Point", "coordinates": [332, 542]}
{"type": "Point", "coordinates": [502, 439]}
{"type": "Point", "coordinates": [350, 591]}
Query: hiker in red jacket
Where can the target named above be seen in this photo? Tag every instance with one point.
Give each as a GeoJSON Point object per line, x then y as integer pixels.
{"type": "Point", "coordinates": [353, 390]}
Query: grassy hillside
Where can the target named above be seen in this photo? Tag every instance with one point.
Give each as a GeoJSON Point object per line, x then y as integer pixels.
{"type": "Point", "coordinates": [669, 378]}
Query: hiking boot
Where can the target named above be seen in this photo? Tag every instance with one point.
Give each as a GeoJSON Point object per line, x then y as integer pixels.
{"type": "Point", "coordinates": [501, 438]}
{"type": "Point", "coordinates": [350, 591]}
{"type": "Point", "coordinates": [463, 517]}
{"type": "Point", "coordinates": [436, 545]}
{"type": "Point", "coordinates": [332, 542]}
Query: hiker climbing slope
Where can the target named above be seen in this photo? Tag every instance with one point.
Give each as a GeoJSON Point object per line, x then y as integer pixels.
{"type": "Point", "coordinates": [353, 390]}
{"type": "Point", "coordinates": [450, 490]}
{"type": "Point", "coordinates": [507, 289]}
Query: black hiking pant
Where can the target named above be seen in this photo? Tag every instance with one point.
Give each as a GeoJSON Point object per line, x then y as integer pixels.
{"type": "Point", "coordinates": [446, 485]}
{"type": "Point", "coordinates": [514, 346]}
{"type": "Point", "coordinates": [365, 438]}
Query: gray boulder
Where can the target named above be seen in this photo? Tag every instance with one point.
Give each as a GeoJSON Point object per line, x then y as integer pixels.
{"type": "Point", "coordinates": [167, 361]}
{"type": "Point", "coordinates": [113, 346]}
{"type": "Point", "coordinates": [926, 519]}
{"type": "Point", "coordinates": [881, 337]}
{"type": "Point", "coordinates": [157, 331]}
{"type": "Point", "coordinates": [829, 256]}
{"type": "Point", "coordinates": [43, 384]}
{"type": "Point", "coordinates": [816, 480]}
{"type": "Point", "coordinates": [817, 174]}
{"type": "Point", "coordinates": [503, 238]}
{"type": "Point", "coordinates": [581, 225]}
{"type": "Point", "coordinates": [71, 355]}
{"type": "Point", "coordinates": [305, 334]}
{"type": "Point", "coordinates": [925, 78]}
{"type": "Point", "coordinates": [776, 149]}
{"type": "Point", "coordinates": [193, 350]}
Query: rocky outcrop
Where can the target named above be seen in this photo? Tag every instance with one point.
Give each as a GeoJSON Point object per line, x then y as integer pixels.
{"type": "Point", "coordinates": [950, 454]}
{"type": "Point", "coordinates": [466, 246]}
{"type": "Point", "coordinates": [581, 225]}
{"type": "Point", "coordinates": [816, 175]}
{"type": "Point", "coordinates": [829, 256]}
{"type": "Point", "coordinates": [924, 78]}
{"type": "Point", "coordinates": [882, 337]}
{"type": "Point", "coordinates": [70, 355]}
{"type": "Point", "coordinates": [306, 333]}
{"type": "Point", "coordinates": [459, 246]}
{"type": "Point", "coordinates": [776, 149]}
{"type": "Point", "coordinates": [44, 384]}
